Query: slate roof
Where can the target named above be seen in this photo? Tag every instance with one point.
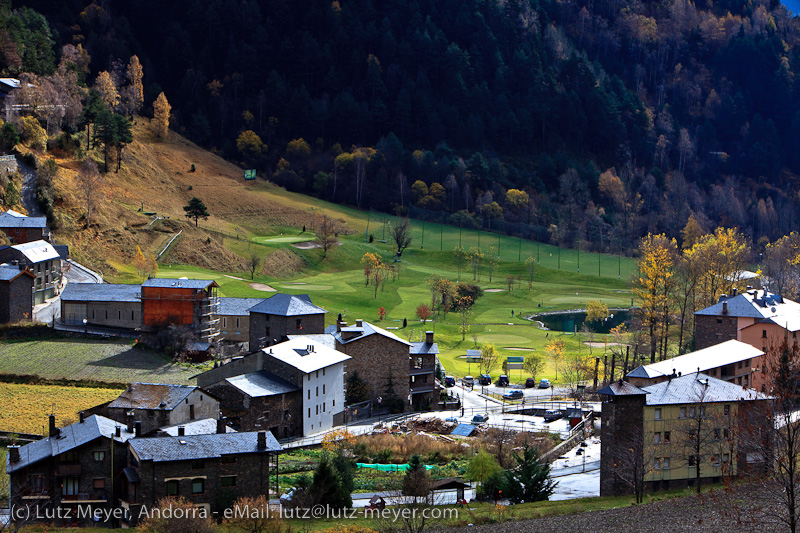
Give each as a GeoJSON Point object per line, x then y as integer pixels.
{"type": "Point", "coordinates": [621, 388]}
{"type": "Point", "coordinates": [182, 283]}
{"type": "Point", "coordinates": [204, 426]}
{"type": "Point", "coordinates": [756, 304]}
{"type": "Point", "coordinates": [71, 437]}
{"type": "Point", "coordinates": [37, 251]}
{"type": "Point", "coordinates": [152, 396]}
{"type": "Point", "coordinates": [295, 353]}
{"type": "Point", "coordinates": [12, 219]}
{"type": "Point", "coordinates": [325, 339]}
{"type": "Point", "coordinates": [287, 305]}
{"type": "Point", "coordinates": [365, 330]}
{"type": "Point", "coordinates": [62, 250]}
{"type": "Point", "coordinates": [10, 272]}
{"type": "Point", "coordinates": [725, 353]}
{"type": "Point", "coordinates": [261, 383]}
{"type": "Point", "coordinates": [419, 348]}
{"type": "Point", "coordinates": [189, 447]}
{"type": "Point", "coordinates": [236, 306]}
{"type": "Point", "coordinates": [101, 292]}
{"type": "Point", "coordinates": [695, 388]}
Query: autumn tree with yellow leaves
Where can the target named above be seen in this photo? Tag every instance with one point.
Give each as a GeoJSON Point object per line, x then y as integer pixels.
{"type": "Point", "coordinates": [654, 287]}
{"type": "Point", "coordinates": [107, 89]}
{"type": "Point", "coordinates": [135, 76]}
{"type": "Point", "coordinates": [161, 110]}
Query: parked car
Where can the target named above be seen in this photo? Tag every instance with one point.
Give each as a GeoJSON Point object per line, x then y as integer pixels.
{"type": "Point", "coordinates": [503, 381]}
{"type": "Point", "coordinates": [287, 497]}
{"type": "Point", "coordinates": [485, 379]}
{"type": "Point", "coordinates": [452, 419]}
{"type": "Point", "coordinates": [480, 419]}
{"type": "Point", "coordinates": [468, 381]}
{"type": "Point", "coordinates": [530, 383]}
{"type": "Point", "coordinates": [550, 416]}
{"type": "Point", "coordinates": [515, 394]}
{"type": "Point", "coordinates": [449, 381]}
{"type": "Point", "coordinates": [544, 383]}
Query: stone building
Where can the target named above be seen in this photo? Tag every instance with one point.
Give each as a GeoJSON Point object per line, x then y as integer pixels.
{"type": "Point", "coordinates": [234, 319]}
{"type": "Point", "coordinates": [210, 471]}
{"type": "Point", "coordinates": [274, 319]}
{"type": "Point", "coordinates": [422, 374]}
{"type": "Point", "coordinates": [260, 400]}
{"type": "Point", "coordinates": [104, 305]}
{"type": "Point", "coordinates": [21, 229]}
{"type": "Point", "coordinates": [381, 358]}
{"type": "Point", "coordinates": [73, 472]}
{"type": "Point", "coordinates": [43, 261]}
{"type": "Point", "coordinates": [16, 287]}
{"type": "Point", "coordinates": [650, 435]}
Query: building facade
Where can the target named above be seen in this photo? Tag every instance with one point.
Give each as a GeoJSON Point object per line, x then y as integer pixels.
{"type": "Point", "coordinates": [16, 287]}
{"type": "Point", "coordinates": [21, 229]}
{"type": "Point", "coordinates": [422, 374]}
{"type": "Point", "coordinates": [234, 319]}
{"type": "Point", "coordinates": [274, 319]}
{"type": "Point", "coordinates": [116, 306]}
{"type": "Point", "coordinates": [183, 302]}
{"type": "Point", "coordinates": [43, 261]}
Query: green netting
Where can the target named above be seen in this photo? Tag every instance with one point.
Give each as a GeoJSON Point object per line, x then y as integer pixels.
{"type": "Point", "coordinates": [388, 468]}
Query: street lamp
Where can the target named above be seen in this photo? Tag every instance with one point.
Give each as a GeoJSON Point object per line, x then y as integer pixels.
{"type": "Point", "coordinates": [85, 326]}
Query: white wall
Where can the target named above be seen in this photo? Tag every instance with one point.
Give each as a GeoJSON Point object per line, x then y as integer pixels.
{"type": "Point", "coordinates": [323, 395]}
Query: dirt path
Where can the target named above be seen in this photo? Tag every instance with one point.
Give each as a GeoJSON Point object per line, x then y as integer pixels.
{"type": "Point", "coordinates": [28, 195]}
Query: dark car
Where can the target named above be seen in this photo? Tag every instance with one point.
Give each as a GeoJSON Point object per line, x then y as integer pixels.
{"type": "Point", "coordinates": [485, 379]}
{"type": "Point", "coordinates": [449, 381]}
{"type": "Point", "coordinates": [530, 383]}
{"type": "Point", "coordinates": [550, 416]}
{"type": "Point", "coordinates": [480, 419]}
{"type": "Point", "coordinates": [515, 394]}
{"type": "Point", "coordinates": [503, 381]}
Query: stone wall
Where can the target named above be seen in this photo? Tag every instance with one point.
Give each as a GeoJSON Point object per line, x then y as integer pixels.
{"type": "Point", "coordinates": [260, 413]}
{"type": "Point", "coordinates": [266, 330]}
{"type": "Point", "coordinates": [621, 429]}
{"type": "Point", "coordinates": [376, 358]}
{"type": "Point", "coordinates": [711, 330]}
{"type": "Point", "coordinates": [15, 300]}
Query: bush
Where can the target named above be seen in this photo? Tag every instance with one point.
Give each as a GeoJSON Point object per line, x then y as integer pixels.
{"type": "Point", "coordinates": [192, 519]}
{"type": "Point", "coordinates": [33, 133]}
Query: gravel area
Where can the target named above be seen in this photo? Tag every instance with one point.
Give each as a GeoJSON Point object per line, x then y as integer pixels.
{"type": "Point", "coordinates": [734, 511]}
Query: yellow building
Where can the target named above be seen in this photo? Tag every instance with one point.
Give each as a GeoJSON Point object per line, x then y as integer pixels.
{"type": "Point", "coordinates": [676, 433]}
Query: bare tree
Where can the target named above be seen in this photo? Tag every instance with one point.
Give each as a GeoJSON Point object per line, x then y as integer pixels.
{"type": "Point", "coordinates": [401, 235]}
{"type": "Point", "coordinates": [324, 229]}
{"type": "Point", "coordinates": [91, 183]}
{"type": "Point", "coordinates": [253, 264]}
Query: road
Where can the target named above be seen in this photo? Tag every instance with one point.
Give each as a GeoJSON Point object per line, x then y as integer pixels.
{"type": "Point", "coordinates": [28, 194]}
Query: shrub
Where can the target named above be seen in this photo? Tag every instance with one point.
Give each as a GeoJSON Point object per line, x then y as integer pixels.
{"type": "Point", "coordinates": [186, 518]}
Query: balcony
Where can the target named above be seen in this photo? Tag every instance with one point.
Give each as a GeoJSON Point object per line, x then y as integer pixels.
{"type": "Point", "coordinates": [95, 496]}
{"type": "Point", "coordinates": [420, 370]}
{"type": "Point", "coordinates": [68, 470]}
{"type": "Point", "coordinates": [422, 389]}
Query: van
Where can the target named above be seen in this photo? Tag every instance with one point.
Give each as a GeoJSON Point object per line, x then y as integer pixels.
{"type": "Point", "coordinates": [468, 381]}
{"type": "Point", "coordinates": [502, 381]}
{"type": "Point", "coordinates": [530, 382]}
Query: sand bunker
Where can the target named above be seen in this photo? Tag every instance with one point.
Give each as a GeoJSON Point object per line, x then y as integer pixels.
{"type": "Point", "coordinates": [519, 349]}
{"type": "Point", "coordinates": [308, 245]}
{"type": "Point", "coordinates": [262, 287]}
{"type": "Point", "coordinates": [494, 290]}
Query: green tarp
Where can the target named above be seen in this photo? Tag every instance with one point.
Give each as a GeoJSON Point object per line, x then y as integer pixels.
{"type": "Point", "coordinates": [388, 468]}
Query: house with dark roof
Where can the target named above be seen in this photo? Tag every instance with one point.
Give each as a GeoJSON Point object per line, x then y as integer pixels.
{"type": "Point", "coordinates": [16, 287]}
{"type": "Point", "coordinates": [422, 374]}
{"type": "Point", "coordinates": [43, 261]}
{"type": "Point", "coordinates": [260, 400]}
{"type": "Point", "coordinates": [21, 229]}
{"type": "Point", "coordinates": [182, 302]}
{"type": "Point", "coordinates": [156, 405]}
{"type": "Point", "coordinates": [234, 316]}
{"type": "Point", "coordinates": [382, 360]}
{"type": "Point", "coordinates": [757, 311]}
{"type": "Point", "coordinates": [651, 435]}
{"type": "Point", "coordinates": [107, 305]}
{"type": "Point", "coordinates": [72, 473]}
{"type": "Point", "coordinates": [210, 471]}
{"type": "Point", "coordinates": [272, 320]}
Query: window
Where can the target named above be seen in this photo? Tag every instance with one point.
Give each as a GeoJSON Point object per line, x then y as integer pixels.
{"type": "Point", "coordinates": [228, 481]}
{"type": "Point", "coordinates": [657, 438]}
{"type": "Point", "coordinates": [36, 484]}
{"type": "Point", "coordinates": [323, 373]}
{"type": "Point", "coordinates": [69, 457]}
{"type": "Point", "coordinates": [715, 460]}
{"type": "Point", "coordinates": [99, 483]}
{"type": "Point", "coordinates": [317, 392]}
{"type": "Point", "coordinates": [228, 459]}
{"type": "Point", "coordinates": [133, 315]}
{"type": "Point", "coordinates": [665, 463]}
{"type": "Point", "coordinates": [764, 334]}
{"type": "Point", "coordinates": [725, 433]}
{"type": "Point", "coordinates": [726, 458]}
{"type": "Point", "coordinates": [666, 437]}
{"type": "Point", "coordinates": [106, 314]}
{"type": "Point", "coordinates": [717, 434]}
{"type": "Point", "coordinates": [92, 314]}
{"type": "Point", "coordinates": [99, 456]}
{"type": "Point", "coordinates": [683, 412]}
{"type": "Point", "coordinates": [119, 314]}
{"type": "Point", "coordinates": [191, 412]}
{"type": "Point", "coordinates": [316, 409]}
{"type": "Point", "coordinates": [656, 464]}
{"type": "Point", "coordinates": [323, 407]}
{"type": "Point", "coordinates": [692, 460]}
{"type": "Point", "coordinates": [198, 464]}
{"type": "Point", "coordinates": [198, 486]}
{"type": "Point", "coordinates": [309, 412]}
{"type": "Point", "coordinates": [323, 389]}
{"type": "Point", "coordinates": [719, 321]}
{"type": "Point", "coordinates": [70, 486]}
{"type": "Point", "coordinates": [317, 376]}
{"type": "Point", "coordinates": [237, 323]}
{"type": "Point", "coordinates": [727, 409]}
{"type": "Point", "coordinates": [224, 322]}
{"type": "Point", "coordinates": [658, 414]}
{"type": "Point", "coordinates": [299, 323]}
{"type": "Point", "coordinates": [266, 331]}
{"type": "Point", "coordinates": [309, 394]}
{"type": "Point", "coordinates": [692, 412]}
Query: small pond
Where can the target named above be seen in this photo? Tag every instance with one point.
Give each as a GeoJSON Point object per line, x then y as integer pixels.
{"type": "Point", "coordinates": [571, 321]}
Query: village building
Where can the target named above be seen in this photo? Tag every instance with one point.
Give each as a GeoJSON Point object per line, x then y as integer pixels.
{"type": "Point", "coordinates": [234, 319]}
{"type": "Point", "coordinates": [21, 229]}
{"type": "Point", "coordinates": [78, 466]}
{"type": "Point", "coordinates": [732, 361]}
{"type": "Point", "coordinates": [43, 261]}
{"type": "Point", "coordinates": [274, 319]}
{"type": "Point", "coordinates": [113, 307]}
{"type": "Point", "coordinates": [192, 303]}
{"type": "Point", "coordinates": [650, 435]}
{"type": "Point", "coordinates": [210, 471]}
{"type": "Point", "coordinates": [382, 360]}
{"type": "Point", "coordinates": [16, 286]}
{"type": "Point", "coordinates": [422, 374]}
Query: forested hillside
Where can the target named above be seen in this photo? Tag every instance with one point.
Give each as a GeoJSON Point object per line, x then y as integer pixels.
{"type": "Point", "coordinates": [591, 123]}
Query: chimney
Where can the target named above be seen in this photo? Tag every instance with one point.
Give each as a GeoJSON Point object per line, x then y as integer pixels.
{"type": "Point", "coordinates": [429, 337]}
{"type": "Point", "coordinates": [137, 426]}
{"type": "Point", "coordinates": [262, 440]}
{"type": "Point", "coordinates": [221, 425]}
{"type": "Point", "coordinates": [734, 291]}
{"type": "Point", "coordinates": [81, 417]}
{"type": "Point", "coordinates": [54, 431]}
{"type": "Point", "coordinates": [724, 308]}
{"type": "Point", "coordinates": [13, 454]}
{"type": "Point", "coordinates": [359, 323]}
{"type": "Point", "coordinates": [130, 417]}
{"type": "Point", "coordinates": [338, 326]}
{"type": "Point", "coordinates": [181, 431]}
{"type": "Point", "coordinates": [117, 431]}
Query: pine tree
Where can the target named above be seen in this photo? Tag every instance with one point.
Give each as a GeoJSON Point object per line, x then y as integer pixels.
{"type": "Point", "coordinates": [530, 482]}
{"type": "Point", "coordinates": [416, 483]}
{"type": "Point", "coordinates": [161, 109]}
{"type": "Point", "coordinates": [123, 135]}
{"type": "Point", "coordinates": [327, 487]}
{"type": "Point", "coordinates": [196, 209]}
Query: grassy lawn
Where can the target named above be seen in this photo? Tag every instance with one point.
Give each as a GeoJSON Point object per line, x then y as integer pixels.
{"type": "Point", "coordinates": [119, 361]}
{"type": "Point", "coordinates": [26, 407]}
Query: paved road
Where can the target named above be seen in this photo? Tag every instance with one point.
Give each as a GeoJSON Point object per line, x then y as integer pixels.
{"type": "Point", "coordinates": [77, 273]}
{"type": "Point", "coordinates": [28, 195]}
